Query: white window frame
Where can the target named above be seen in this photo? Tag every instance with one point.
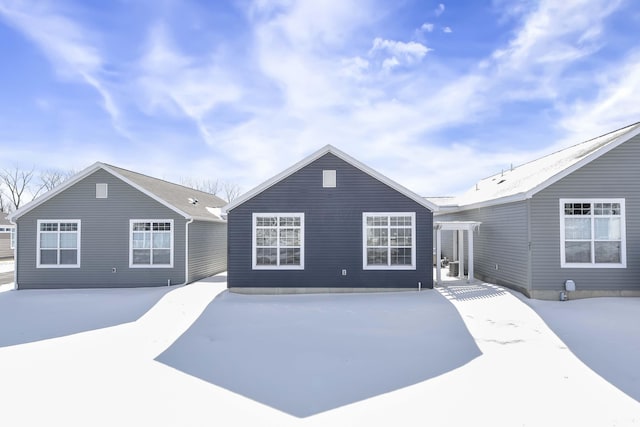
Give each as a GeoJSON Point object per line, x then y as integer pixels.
{"type": "Point", "coordinates": [151, 265]}
{"type": "Point", "coordinates": [78, 239]}
{"type": "Point", "coordinates": [389, 266]}
{"type": "Point", "coordinates": [254, 247]}
{"type": "Point", "coordinates": [593, 264]}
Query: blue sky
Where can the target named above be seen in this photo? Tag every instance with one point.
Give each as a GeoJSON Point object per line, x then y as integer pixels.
{"type": "Point", "coordinates": [435, 95]}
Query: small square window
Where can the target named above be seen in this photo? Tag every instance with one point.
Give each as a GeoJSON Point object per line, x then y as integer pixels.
{"type": "Point", "coordinates": [329, 178]}
{"type": "Point", "coordinates": [101, 191]}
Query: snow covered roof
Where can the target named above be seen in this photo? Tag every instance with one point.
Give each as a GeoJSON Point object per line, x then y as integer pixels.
{"type": "Point", "coordinates": [341, 155]}
{"type": "Point", "coordinates": [524, 181]}
{"type": "Point", "coordinates": [190, 203]}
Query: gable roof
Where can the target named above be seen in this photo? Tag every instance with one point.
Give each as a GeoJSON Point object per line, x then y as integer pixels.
{"type": "Point", "coordinates": [175, 197]}
{"type": "Point", "coordinates": [329, 149]}
{"type": "Point", "coordinates": [524, 181]}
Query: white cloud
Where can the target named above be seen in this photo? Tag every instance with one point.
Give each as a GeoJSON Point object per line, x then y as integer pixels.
{"type": "Point", "coordinates": [447, 30]}
{"type": "Point", "coordinates": [408, 52]}
{"type": "Point", "coordinates": [439, 10]}
{"type": "Point", "coordinates": [392, 121]}
{"type": "Point", "coordinates": [428, 27]}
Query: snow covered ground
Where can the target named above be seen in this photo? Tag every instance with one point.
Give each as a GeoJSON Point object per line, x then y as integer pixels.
{"type": "Point", "coordinates": [463, 354]}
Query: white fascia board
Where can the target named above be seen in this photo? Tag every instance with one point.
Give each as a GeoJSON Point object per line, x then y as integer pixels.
{"type": "Point", "coordinates": [486, 203]}
{"type": "Point", "coordinates": [275, 179]}
{"type": "Point", "coordinates": [588, 159]}
{"type": "Point", "coordinates": [391, 183]}
{"type": "Point", "coordinates": [51, 193]}
{"type": "Point", "coordinates": [315, 156]}
{"type": "Point", "coordinates": [550, 181]}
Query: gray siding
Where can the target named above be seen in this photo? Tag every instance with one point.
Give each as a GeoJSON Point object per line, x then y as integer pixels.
{"type": "Point", "coordinates": [333, 231]}
{"type": "Point", "coordinates": [502, 240]}
{"type": "Point", "coordinates": [104, 238]}
{"type": "Point", "coordinates": [207, 249]}
{"type": "Point", "coordinates": [613, 175]}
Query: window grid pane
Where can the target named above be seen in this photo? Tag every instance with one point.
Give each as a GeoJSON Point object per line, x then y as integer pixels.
{"type": "Point", "coordinates": [58, 243]}
{"type": "Point", "coordinates": [278, 240]}
{"type": "Point", "coordinates": [151, 242]}
{"type": "Point", "coordinates": [389, 240]}
{"type": "Point", "coordinates": [593, 232]}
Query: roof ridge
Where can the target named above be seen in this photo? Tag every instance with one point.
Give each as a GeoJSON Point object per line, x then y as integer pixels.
{"type": "Point", "coordinates": [560, 150]}
{"type": "Point", "coordinates": [162, 180]}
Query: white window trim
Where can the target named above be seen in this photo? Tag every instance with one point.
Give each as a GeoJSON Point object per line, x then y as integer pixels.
{"type": "Point", "coordinates": [413, 242]}
{"type": "Point", "coordinates": [79, 239]}
{"type": "Point", "coordinates": [593, 264]}
{"type": "Point", "coordinates": [131, 264]}
{"type": "Point", "coordinates": [329, 178]}
{"type": "Point", "coordinates": [102, 190]}
{"type": "Point", "coordinates": [254, 264]}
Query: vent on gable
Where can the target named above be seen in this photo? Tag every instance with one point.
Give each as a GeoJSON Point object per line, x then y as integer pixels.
{"type": "Point", "coordinates": [329, 178]}
{"type": "Point", "coordinates": [102, 190]}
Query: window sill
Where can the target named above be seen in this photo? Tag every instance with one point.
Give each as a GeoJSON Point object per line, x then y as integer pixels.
{"type": "Point", "coordinates": [603, 265]}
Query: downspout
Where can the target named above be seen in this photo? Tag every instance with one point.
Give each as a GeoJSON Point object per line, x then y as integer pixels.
{"type": "Point", "coordinates": [186, 252]}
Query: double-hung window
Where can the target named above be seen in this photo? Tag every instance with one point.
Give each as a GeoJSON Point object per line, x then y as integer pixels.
{"type": "Point", "coordinates": [58, 244]}
{"type": "Point", "coordinates": [389, 240]}
{"type": "Point", "coordinates": [151, 243]}
{"type": "Point", "coordinates": [278, 241]}
{"type": "Point", "coordinates": [592, 233]}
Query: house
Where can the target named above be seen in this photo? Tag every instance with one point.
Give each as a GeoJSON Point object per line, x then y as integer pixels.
{"type": "Point", "coordinates": [7, 236]}
{"type": "Point", "coordinates": [569, 220]}
{"type": "Point", "coordinates": [111, 227]}
{"type": "Point", "coordinates": [329, 224]}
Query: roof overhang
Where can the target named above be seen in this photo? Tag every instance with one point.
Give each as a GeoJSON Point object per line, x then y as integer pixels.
{"type": "Point", "coordinates": [315, 156]}
{"type": "Point", "coordinates": [82, 175]}
{"type": "Point", "coordinates": [528, 194]}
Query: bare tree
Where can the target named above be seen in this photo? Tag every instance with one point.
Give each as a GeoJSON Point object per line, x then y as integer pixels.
{"type": "Point", "coordinates": [18, 184]}
{"type": "Point", "coordinates": [51, 178]}
{"type": "Point", "coordinates": [231, 190]}
{"type": "Point", "coordinates": [206, 185]}
{"type": "Point", "coordinates": [4, 205]}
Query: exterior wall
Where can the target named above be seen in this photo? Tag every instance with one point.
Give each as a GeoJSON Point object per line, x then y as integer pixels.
{"type": "Point", "coordinates": [333, 231]}
{"type": "Point", "coordinates": [207, 249]}
{"type": "Point", "coordinates": [5, 245]}
{"type": "Point", "coordinates": [104, 241]}
{"type": "Point", "coordinates": [502, 240]}
{"type": "Point", "coordinates": [613, 175]}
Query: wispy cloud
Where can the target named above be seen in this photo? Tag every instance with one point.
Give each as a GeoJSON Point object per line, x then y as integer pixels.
{"type": "Point", "coordinates": [67, 46]}
{"type": "Point", "coordinates": [173, 83]}
{"type": "Point", "coordinates": [310, 73]}
{"type": "Point", "coordinates": [614, 105]}
{"type": "Point", "coordinates": [403, 116]}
